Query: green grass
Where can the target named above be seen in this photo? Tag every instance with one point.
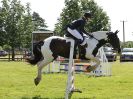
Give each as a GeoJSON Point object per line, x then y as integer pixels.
{"type": "Point", "coordinates": [16, 82]}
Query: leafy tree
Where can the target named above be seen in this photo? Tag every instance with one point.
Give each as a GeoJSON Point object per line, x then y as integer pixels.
{"type": "Point", "coordinates": [1, 48]}
{"type": "Point", "coordinates": [70, 12]}
{"type": "Point", "coordinates": [38, 22]}
{"type": "Point", "coordinates": [13, 26]}
{"type": "Point", "coordinates": [16, 24]}
{"type": "Point", "coordinates": [128, 44]}
{"type": "Point", "coordinates": [6, 47]}
{"type": "Point", "coordinates": [75, 9]}
{"type": "Point", "coordinates": [27, 28]}
{"type": "Point", "coordinates": [1, 27]}
{"type": "Point", "coordinates": [3, 15]}
{"type": "Point", "coordinates": [100, 20]}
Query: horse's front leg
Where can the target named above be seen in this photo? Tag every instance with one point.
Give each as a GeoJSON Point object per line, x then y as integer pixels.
{"type": "Point", "coordinates": [94, 66]}
{"type": "Point", "coordinates": [40, 66]}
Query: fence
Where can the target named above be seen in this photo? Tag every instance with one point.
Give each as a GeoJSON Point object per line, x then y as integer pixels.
{"type": "Point", "coordinates": [19, 56]}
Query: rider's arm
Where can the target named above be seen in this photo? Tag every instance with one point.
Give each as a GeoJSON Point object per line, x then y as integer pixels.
{"type": "Point", "coordinates": [83, 30]}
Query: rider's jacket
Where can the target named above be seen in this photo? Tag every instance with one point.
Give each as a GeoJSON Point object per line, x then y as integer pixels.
{"type": "Point", "coordinates": [78, 24]}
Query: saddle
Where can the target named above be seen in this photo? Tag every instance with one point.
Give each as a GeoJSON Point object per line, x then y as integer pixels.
{"type": "Point", "coordinates": [79, 51]}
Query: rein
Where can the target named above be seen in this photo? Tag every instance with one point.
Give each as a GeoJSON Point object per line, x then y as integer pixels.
{"type": "Point", "coordinates": [91, 36]}
{"type": "Point", "coordinates": [101, 42]}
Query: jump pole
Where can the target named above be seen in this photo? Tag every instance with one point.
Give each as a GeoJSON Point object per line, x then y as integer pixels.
{"type": "Point", "coordinates": [70, 81]}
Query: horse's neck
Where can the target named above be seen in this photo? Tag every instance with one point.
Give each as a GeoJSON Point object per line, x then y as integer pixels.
{"type": "Point", "coordinates": [100, 35]}
{"type": "Point", "coordinates": [98, 42]}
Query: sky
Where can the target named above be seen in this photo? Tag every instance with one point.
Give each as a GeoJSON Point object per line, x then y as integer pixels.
{"type": "Point", "coordinates": [117, 10]}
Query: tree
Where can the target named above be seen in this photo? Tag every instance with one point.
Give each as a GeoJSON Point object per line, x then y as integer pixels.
{"type": "Point", "coordinates": [38, 22]}
{"type": "Point", "coordinates": [128, 44]}
{"type": "Point", "coordinates": [3, 15]}
{"type": "Point", "coordinates": [27, 28]}
{"type": "Point", "coordinates": [69, 13]}
{"type": "Point", "coordinates": [17, 24]}
{"type": "Point", "coordinates": [100, 20]}
{"type": "Point", "coordinates": [2, 40]}
{"type": "Point", "coordinates": [74, 9]}
{"type": "Point", "coordinates": [13, 24]}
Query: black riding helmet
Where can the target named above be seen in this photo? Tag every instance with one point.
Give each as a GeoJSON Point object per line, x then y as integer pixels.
{"type": "Point", "coordinates": [87, 15]}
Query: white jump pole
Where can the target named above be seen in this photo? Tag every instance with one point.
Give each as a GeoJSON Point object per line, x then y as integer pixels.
{"type": "Point", "coordinates": [70, 81]}
{"type": "Point", "coordinates": [104, 68]}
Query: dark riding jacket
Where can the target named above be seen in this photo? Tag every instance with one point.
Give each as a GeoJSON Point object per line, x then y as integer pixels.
{"type": "Point", "coordinates": [79, 25]}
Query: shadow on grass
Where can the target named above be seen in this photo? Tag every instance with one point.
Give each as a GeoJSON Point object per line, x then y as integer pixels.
{"type": "Point", "coordinates": [39, 97]}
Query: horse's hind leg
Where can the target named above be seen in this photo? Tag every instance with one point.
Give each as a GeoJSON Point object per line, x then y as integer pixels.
{"type": "Point", "coordinates": [40, 66]}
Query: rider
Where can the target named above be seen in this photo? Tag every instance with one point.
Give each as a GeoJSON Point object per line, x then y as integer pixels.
{"type": "Point", "coordinates": [76, 28]}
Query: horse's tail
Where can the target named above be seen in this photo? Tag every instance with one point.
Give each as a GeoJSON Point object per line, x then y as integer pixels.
{"type": "Point", "coordinates": [37, 54]}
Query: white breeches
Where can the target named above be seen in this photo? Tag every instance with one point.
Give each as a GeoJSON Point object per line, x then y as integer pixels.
{"type": "Point", "coordinates": [77, 35]}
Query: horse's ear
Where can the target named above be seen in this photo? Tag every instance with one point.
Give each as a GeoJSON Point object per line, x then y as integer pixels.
{"type": "Point", "coordinates": [116, 31]}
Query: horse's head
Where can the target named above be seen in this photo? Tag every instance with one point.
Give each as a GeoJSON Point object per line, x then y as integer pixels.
{"type": "Point", "coordinates": [113, 39]}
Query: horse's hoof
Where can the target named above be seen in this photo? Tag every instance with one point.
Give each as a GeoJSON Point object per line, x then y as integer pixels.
{"type": "Point", "coordinates": [89, 69]}
{"type": "Point", "coordinates": [36, 81]}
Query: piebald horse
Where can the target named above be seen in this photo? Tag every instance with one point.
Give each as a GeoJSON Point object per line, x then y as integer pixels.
{"type": "Point", "coordinates": [48, 50]}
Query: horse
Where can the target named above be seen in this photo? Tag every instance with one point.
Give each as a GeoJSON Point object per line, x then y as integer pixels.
{"type": "Point", "coordinates": [48, 50]}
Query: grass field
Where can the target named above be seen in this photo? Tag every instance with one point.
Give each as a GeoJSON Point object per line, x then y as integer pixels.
{"type": "Point", "coordinates": [16, 82]}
